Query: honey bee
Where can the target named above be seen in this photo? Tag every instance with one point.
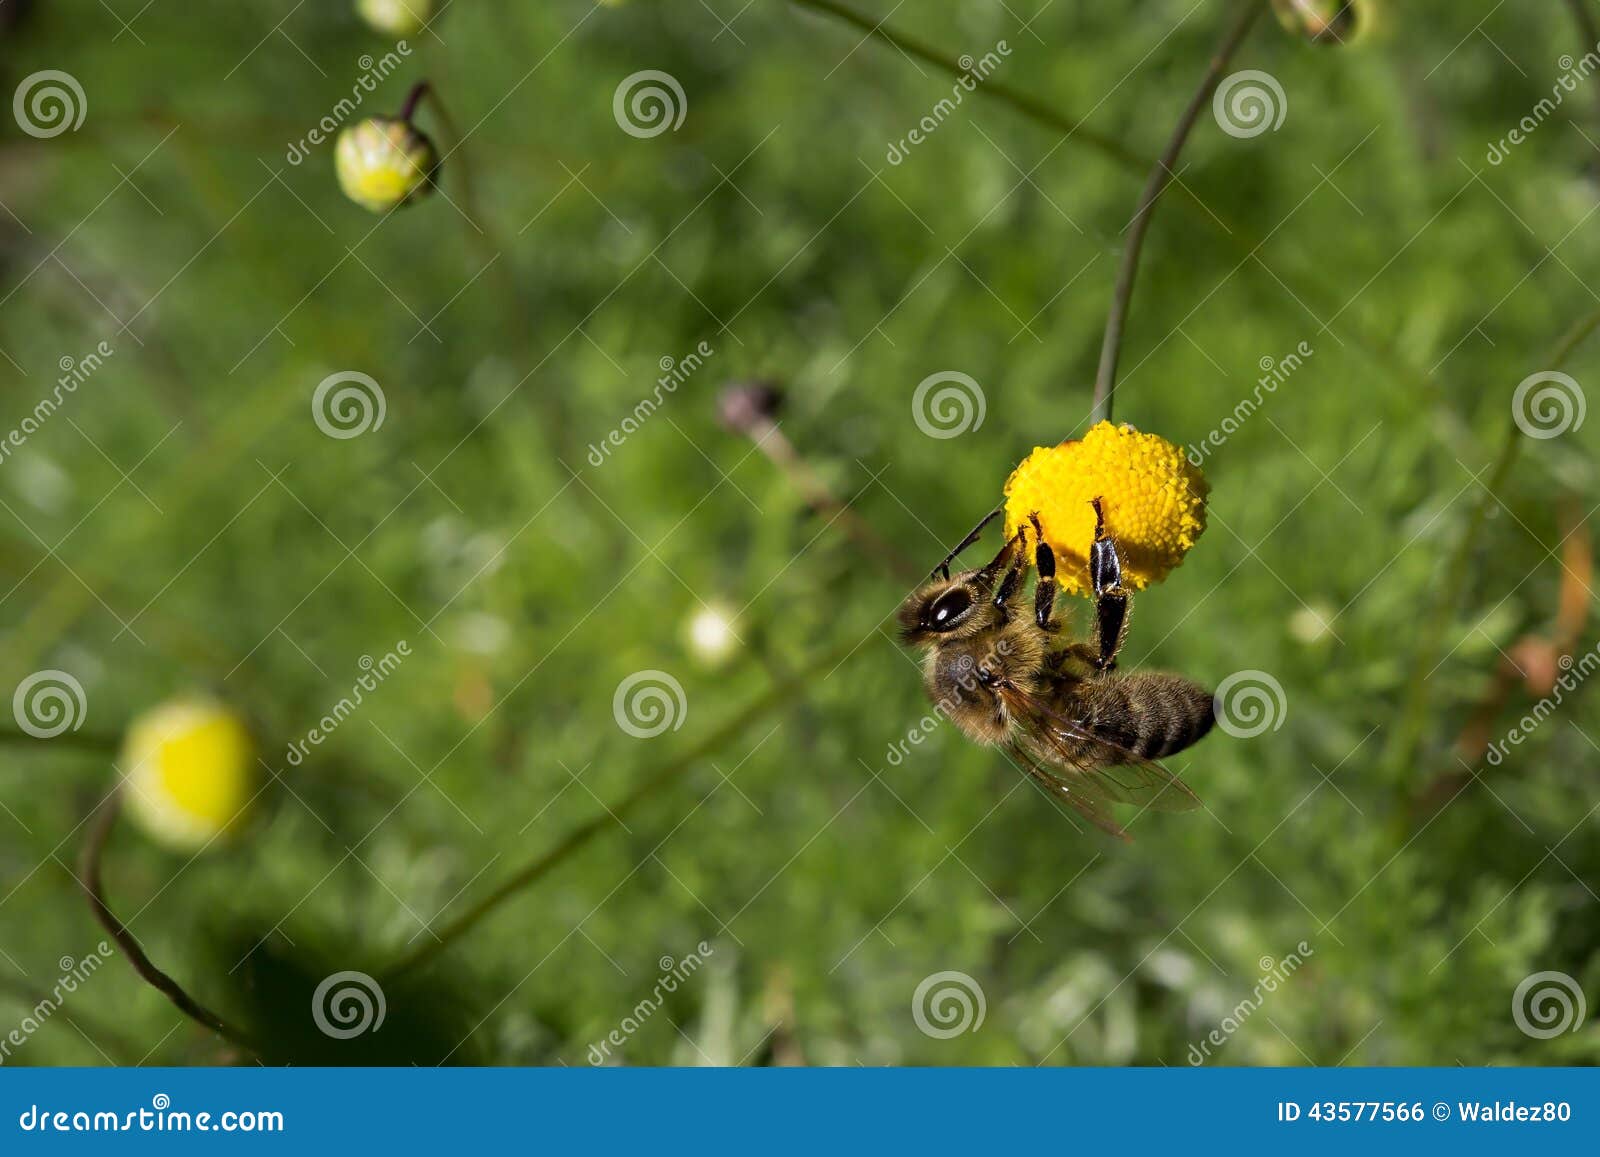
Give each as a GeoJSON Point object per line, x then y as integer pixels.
{"type": "Point", "coordinates": [1088, 733]}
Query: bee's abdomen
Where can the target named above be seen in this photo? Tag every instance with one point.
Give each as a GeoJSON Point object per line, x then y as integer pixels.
{"type": "Point", "coordinates": [1151, 714]}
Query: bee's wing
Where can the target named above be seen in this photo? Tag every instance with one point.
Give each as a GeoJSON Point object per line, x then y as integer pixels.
{"type": "Point", "coordinates": [1110, 771]}
{"type": "Point", "coordinates": [1090, 805]}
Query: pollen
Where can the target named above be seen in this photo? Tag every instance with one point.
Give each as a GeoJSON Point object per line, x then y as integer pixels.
{"type": "Point", "coordinates": [1153, 498]}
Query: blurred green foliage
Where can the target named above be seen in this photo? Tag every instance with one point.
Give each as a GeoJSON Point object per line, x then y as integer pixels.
{"type": "Point", "coordinates": [185, 491]}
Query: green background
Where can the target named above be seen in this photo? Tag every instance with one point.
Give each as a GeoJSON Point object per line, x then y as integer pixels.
{"type": "Point", "coordinates": [185, 490]}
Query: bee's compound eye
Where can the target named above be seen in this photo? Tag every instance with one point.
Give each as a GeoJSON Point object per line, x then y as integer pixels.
{"type": "Point", "coordinates": [948, 607]}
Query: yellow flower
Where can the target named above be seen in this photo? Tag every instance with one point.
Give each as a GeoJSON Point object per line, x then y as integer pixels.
{"type": "Point", "coordinates": [1154, 501]}
{"type": "Point", "coordinates": [190, 765]}
{"type": "Point", "coordinates": [383, 162]}
{"type": "Point", "coordinates": [396, 17]}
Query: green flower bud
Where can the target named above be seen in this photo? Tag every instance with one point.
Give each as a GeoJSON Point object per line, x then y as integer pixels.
{"type": "Point", "coordinates": [396, 17]}
{"type": "Point", "coordinates": [384, 162]}
{"type": "Point", "coordinates": [1325, 21]}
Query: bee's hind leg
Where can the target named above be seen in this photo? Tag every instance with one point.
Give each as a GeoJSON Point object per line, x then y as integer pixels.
{"type": "Point", "coordinates": [1110, 599]}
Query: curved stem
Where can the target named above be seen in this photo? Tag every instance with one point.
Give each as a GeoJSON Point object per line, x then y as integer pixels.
{"type": "Point", "coordinates": [414, 98]}
{"type": "Point", "coordinates": [104, 820]}
{"type": "Point", "coordinates": [537, 868]}
{"type": "Point", "coordinates": [1161, 175]}
{"type": "Point", "coordinates": [1413, 714]}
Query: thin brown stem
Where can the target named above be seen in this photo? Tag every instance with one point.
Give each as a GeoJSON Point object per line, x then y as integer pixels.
{"type": "Point", "coordinates": [1161, 175]}
{"type": "Point", "coordinates": [103, 821]}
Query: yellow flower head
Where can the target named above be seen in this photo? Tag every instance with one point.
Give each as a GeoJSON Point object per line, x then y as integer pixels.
{"type": "Point", "coordinates": [190, 765]}
{"type": "Point", "coordinates": [1153, 498]}
{"type": "Point", "coordinates": [383, 162]}
{"type": "Point", "coordinates": [396, 17]}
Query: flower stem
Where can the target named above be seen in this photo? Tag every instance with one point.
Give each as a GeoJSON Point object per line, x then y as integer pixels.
{"type": "Point", "coordinates": [1407, 740]}
{"type": "Point", "coordinates": [104, 819]}
{"type": "Point", "coordinates": [1160, 177]}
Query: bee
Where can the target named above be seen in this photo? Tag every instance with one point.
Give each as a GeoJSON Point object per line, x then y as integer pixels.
{"type": "Point", "coordinates": [1086, 732]}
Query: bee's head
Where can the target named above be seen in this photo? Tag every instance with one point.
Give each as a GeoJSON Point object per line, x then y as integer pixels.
{"type": "Point", "coordinates": [960, 606]}
{"type": "Point", "coordinates": [952, 607]}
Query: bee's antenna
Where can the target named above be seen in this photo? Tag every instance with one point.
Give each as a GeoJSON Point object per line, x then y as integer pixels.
{"type": "Point", "coordinates": [943, 569]}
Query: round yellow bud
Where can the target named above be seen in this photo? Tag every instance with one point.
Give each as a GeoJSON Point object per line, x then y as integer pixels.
{"type": "Point", "coordinates": [396, 17]}
{"type": "Point", "coordinates": [190, 766]}
{"type": "Point", "coordinates": [1153, 498]}
{"type": "Point", "coordinates": [384, 162]}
